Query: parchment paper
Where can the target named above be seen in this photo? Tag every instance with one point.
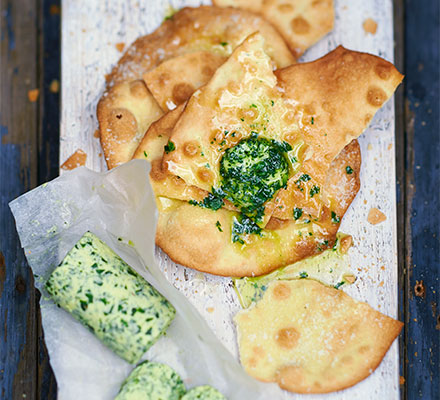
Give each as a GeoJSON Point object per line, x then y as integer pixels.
{"type": "Point", "coordinates": [118, 204]}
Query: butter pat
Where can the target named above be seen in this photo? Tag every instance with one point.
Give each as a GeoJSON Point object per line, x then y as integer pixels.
{"type": "Point", "coordinates": [152, 381]}
{"type": "Point", "coordinates": [101, 291]}
{"type": "Point", "coordinates": [203, 393]}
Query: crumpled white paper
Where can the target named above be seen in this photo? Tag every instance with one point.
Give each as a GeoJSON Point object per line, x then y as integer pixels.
{"type": "Point", "coordinates": [117, 204]}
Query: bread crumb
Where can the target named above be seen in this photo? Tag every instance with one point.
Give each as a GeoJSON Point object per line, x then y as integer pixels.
{"type": "Point", "coordinates": [381, 283]}
{"type": "Point", "coordinates": [210, 309]}
{"type": "Point", "coordinates": [33, 95]}
{"type": "Point", "coordinates": [120, 46]}
{"type": "Point", "coordinates": [365, 201]}
{"type": "Point", "coordinates": [402, 380]}
{"type": "Point", "coordinates": [370, 26]}
{"type": "Point", "coordinates": [376, 216]}
{"type": "Point", "coordinates": [370, 146]}
{"type": "Point", "coordinates": [77, 159]}
{"type": "Point", "coordinates": [390, 146]}
{"type": "Point", "coordinates": [97, 134]}
{"type": "Point", "coordinates": [54, 86]}
{"type": "Point", "coordinates": [346, 243]}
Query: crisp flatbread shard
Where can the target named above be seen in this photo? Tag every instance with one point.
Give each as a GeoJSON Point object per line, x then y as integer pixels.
{"type": "Point", "coordinates": [175, 80]}
{"type": "Point", "coordinates": [301, 22]}
{"type": "Point", "coordinates": [234, 126]}
{"type": "Point", "coordinates": [124, 114]}
{"type": "Point", "coordinates": [210, 29]}
{"type": "Point", "coordinates": [324, 105]}
{"type": "Point", "coordinates": [162, 181]}
{"type": "Point", "coordinates": [203, 239]}
{"type": "Point", "coordinates": [319, 339]}
{"type": "Point", "coordinates": [336, 97]}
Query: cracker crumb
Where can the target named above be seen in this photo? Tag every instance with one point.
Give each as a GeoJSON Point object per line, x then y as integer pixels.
{"type": "Point", "coordinates": [210, 309]}
{"type": "Point", "coordinates": [346, 243]}
{"type": "Point", "coordinates": [390, 146]}
{"type": "Point", "coordinates": [33, 95]}
{"type": "Point", "coordinates": [370, 26]}
{"type": "Point", "coordinates": [375, 216]}
{"type": "Point", "coordinates": [77, 159]}
{"type": "Point", "coordinates": [120, 46]}
{"type": "Point", "coordinates": [54, 86]}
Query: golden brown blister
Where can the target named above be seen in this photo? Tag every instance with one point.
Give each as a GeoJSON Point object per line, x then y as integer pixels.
{"type": "Point", "coordinates": [301, 22]}
{"type": "Point", "coordinates": [201, 239]}
{"type": "Point", "coordinates": [319, 339]}
{"type": "Point", "coordinates": [175, 80]}
{"type": "Point", "coordinates": [211, 29]}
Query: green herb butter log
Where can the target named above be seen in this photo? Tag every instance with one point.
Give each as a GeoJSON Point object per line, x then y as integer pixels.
{"type": "Point", "coordinates": [203, 393]}
{"type": "Point", "coordinates": [152, 381]}
{"type": "Point", "coordinates": [99, 289]}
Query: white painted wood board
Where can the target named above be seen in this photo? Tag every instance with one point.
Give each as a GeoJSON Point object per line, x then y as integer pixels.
{"type": "Point", "coordinates": [90, 31]}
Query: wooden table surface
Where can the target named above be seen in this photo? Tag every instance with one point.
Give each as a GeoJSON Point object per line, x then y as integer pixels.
{"type": "Point", "coordinates": [29, 156]}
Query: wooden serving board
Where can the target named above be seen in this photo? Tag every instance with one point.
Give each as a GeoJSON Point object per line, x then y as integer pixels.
{"type": "Point", "coordinates": [92, 32]}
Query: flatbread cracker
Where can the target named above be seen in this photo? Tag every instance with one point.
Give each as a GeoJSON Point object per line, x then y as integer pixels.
{"type": "Point", "coordinates": [325, 104]}
{"type": "Point", "coordinates": [124, 114]}
{"type": "Point", "coordinates": [202, 239]}
{"type": "Point", "coordinates": [319, 339]}
{"type": "Point", "coordinates": [301, 22]}
{"type": "Point", "coordinates": [175, 80]}
{"type": "Point", "coordinates": [212, 29]}
{"type": "Point", "coordinates": [239, 102]}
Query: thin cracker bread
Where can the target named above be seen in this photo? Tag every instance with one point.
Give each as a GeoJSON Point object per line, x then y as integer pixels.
{"type": "Point", "coordinates": [319, 339]}
{"type": "Point", "coordinates": [241, 98]}
{"type": "Point", "coordinates": [212, 29]}
{"type": "Point", "coordinates": [175, 80]}
{"type": "Point", "coordinates": [124, 114]}
{"type": "Point", "coordinates": [301, 22]}
{"type": "Point", "coordinates": [331, 102]}
{"type": "Point", "coordinates": [200, 238]}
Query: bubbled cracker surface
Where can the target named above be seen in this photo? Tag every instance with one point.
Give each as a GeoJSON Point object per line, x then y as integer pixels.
{"type": "Point", "coordinates": [310, 338]}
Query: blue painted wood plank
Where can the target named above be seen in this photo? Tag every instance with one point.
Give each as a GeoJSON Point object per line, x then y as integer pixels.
{"type": "Point", "coordinates": [422, 33]}
{"type": "Point", "coordinates": [18, 121]}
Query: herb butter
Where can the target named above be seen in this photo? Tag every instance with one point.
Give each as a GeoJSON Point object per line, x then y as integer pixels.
{"type": "Point", "coordinates": [100, 290]}
{"type": "Point", "coordinates": [152, 381]}
{"type": "Point", "coordinates": [203, 393]}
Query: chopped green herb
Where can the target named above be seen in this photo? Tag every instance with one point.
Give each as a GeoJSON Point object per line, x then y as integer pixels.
{"type": "Point", "coordinates": [303, 275]}
{"type": "Point", "coordinates": [297, 212]}
{"type": "Point", "coordinates": [213, 201]}
{"type": "Point", "coordinates": [219, 226]}
{"type": "Point", "coordinates": [335, 218]}
{"type": "Point", "coordinates": [349, 170]}
{"type": "Point", "coordinates": [224, 44]}
{"type": "Point", "coordinates": [314, 190]}
{"type": "Point", "coordinates": [252, 172]}
{"type": "Point", "coordinates": [272, 102]}
{"type": "Point", "coordinates": [302, 178]}
{"type": "Point", "coordinates": [253, 105]}
{"type": "Point", "coordinates": [243, 225]}
{"type": "Point", "coordinates": [312, 121]}
{"type": "Point", "coordinates": [145, 154]}
{"type": "Point", "coordinates": [339, 284]}
{"type": "Point", "coordinates": [169, 147]}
